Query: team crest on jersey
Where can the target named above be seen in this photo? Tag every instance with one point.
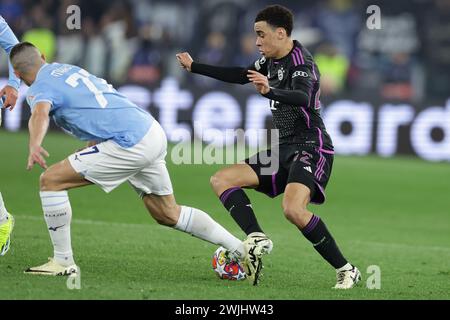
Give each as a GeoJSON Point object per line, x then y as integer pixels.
{"type": "Point", "coordinates": [280, 74]}
{"type": "Point", "coordinates": [30, 100]}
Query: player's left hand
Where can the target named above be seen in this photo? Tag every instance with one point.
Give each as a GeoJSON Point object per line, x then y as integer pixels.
{"type": "Point", "coordinates": [11, 97]}
{"type": "Point", "coordinates": [259, 80]}
{"type": "Point", "coordinates": [185, 60]}
{"type": "Point", "coordinates": [37, 154]}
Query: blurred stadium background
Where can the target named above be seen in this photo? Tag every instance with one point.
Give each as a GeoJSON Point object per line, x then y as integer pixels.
{"type": "Point", "coordinates": [383, 91]}
{"type": "Point", "coordinates": [386, 104]}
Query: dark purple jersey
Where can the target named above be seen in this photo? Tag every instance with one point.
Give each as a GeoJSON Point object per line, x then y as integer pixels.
{"type": "Point", "coordinates": [294, 96]}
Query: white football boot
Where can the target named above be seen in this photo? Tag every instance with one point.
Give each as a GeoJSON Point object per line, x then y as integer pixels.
{"type": "Point", "coordinates": [264, 244]}
{"type": "Point", "coordinates": [252, 263]}
{"type": "Point", "coordinates": [256, 245]}
{"type": "Point", "coordinates": [52, 268]}
{"type": "Point", "coordinates": [347, 279]}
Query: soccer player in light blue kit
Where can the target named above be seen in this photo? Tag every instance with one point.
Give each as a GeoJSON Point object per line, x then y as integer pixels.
{"type": "Point", "coordinates": [8, 95]}
{"type": "Point", "coordinates": [125, 143]}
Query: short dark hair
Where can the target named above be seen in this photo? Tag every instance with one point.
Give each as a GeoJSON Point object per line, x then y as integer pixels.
{"type": "Point", "coordinates": [278, 17]}
{"type": "Point", "coordinates": [19, 48]}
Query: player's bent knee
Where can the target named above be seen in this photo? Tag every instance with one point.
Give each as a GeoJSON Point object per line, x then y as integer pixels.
{"type": "Point", "coordinates": [214, 182]}
{"type": "Point", "coordinates": [165, 215]}
{"type": "Point", "coordinates": [47, 182]}
{"type": "Point", "coordinates": [294, 214]}
{"type": "Point", "coordinates": [219, 182]}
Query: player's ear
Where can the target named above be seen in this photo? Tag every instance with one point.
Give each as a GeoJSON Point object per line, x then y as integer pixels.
{"type": "Point", "coordinates": [43, 56]}
{"type": "Point", "coordinates": [281, 33]}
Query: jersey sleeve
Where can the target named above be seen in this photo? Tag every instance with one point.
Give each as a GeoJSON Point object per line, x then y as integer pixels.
{"type": "Point", "coordinates": [7, 41]}
{"type": "Point", "coordinates": [230, 74]}
{"type": "Point", "coordinates": [302, 83]}
{"type": "Point", "coordinates": [42, 93]}
{"type": "Point", "coordinates": [260, 65]}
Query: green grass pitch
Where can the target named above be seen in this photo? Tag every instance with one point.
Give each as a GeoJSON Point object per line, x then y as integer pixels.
{"type": "Point", "coordinates": [393, 213]}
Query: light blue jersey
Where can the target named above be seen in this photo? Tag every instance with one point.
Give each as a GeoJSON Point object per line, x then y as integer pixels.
{"type": "Point", "coordinates": [7, 41]}
{"type": "Point", "coordinates": [88, 107]}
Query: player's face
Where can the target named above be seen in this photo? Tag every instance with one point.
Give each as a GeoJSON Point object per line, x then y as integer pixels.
{"type": "Point", "coordinates": [19, 75]}
{"type": "Point", "coordinates": [266, 39]}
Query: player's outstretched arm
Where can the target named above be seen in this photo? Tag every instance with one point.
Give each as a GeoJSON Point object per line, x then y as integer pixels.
{"type": "Point", "coordinates": [226, 74]}
{"type": "Point", "coordinates": [7, 41]}
{"type": "Point", "coordinates": [38, 125]}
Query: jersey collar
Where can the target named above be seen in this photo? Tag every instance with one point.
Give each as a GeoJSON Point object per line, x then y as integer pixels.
{"type": "Point", "coordinates": [296, 44]}
{"type": "Point", "coordinates": [42, 67]}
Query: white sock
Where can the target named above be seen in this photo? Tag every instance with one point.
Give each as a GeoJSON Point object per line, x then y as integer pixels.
{"type": "Point", "coordinates": [3, 212]}
{"type": "Point", "coordinates": [201, 225]}
{"type": "Point", "coordinates": [58, 215]}
{"type": "Point", "coordinates": [348, 266]}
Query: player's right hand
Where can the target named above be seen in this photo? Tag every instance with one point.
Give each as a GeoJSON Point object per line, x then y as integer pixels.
{"type": "Point", "coordinates": [185, 60]}
{"type": "Point", "coordinates": [37, 154]}
{"type": "Point", "coordinates": [10, 95]}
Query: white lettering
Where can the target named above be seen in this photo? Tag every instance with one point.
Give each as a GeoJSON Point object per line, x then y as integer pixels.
{"type": "Point", "coordinates": [360, 116]}
{"type": "Point", "coordinates": [390, 118]}
{"type": "Point", "coordinates": [421, 140]}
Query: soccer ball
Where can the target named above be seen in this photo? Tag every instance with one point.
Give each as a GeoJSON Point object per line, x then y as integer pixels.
{"type": "Point", "coordinates": [226, 266]}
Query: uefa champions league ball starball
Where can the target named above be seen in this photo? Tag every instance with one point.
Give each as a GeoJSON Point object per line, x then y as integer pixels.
{"type": "Point", "coordinates": [226, 266]}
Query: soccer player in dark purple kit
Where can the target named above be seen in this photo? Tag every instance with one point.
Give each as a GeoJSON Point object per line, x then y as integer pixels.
{"type": "Point", "coordinates": [287, 75]}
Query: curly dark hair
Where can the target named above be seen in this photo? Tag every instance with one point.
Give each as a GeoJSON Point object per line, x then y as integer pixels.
{"type": "Point", "coordinates": [278, 17]}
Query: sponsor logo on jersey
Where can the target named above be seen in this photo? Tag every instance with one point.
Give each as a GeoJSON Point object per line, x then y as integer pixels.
{"type": "Point", "coordinates": [300, 74]}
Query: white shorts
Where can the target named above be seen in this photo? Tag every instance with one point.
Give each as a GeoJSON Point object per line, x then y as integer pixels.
{"type": "Point", "coordinates": [108, 165]}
